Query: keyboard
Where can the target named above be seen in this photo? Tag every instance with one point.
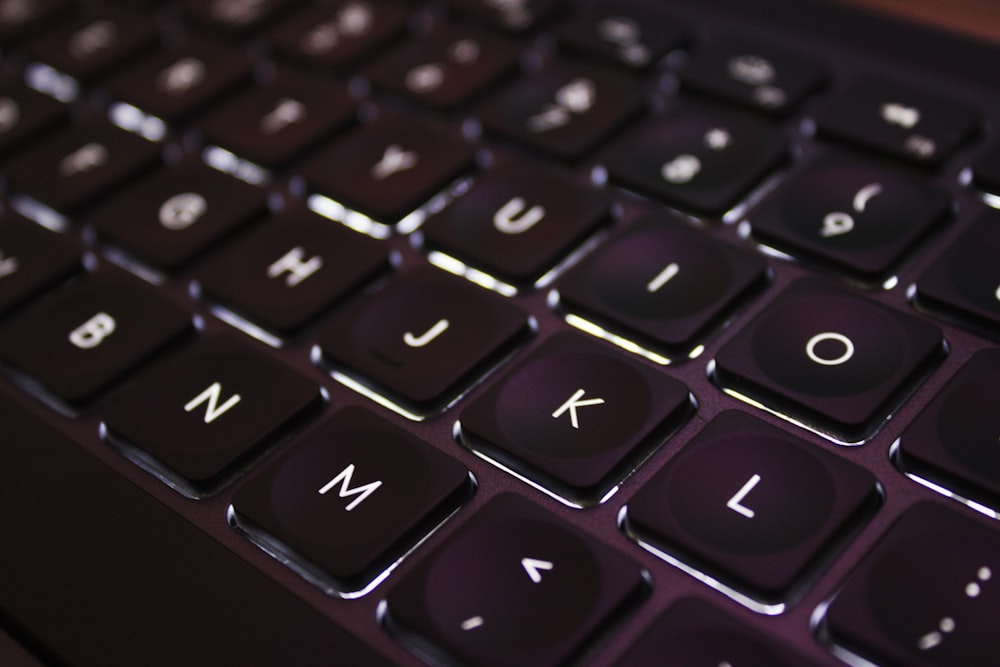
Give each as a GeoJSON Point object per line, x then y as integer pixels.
{"type": "Point", "coordinates": [497, 332]}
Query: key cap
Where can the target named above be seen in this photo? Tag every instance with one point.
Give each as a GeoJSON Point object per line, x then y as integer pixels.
{"type": "Point", "coordinates": [913, 125]}
{"type": "Point", "coordinates": [518, 221]}
{"type": "Point", "coordinates": [835, 360]}
{"type": "Point", "coordinates": [755, 75]}
{"type": "Point", "coordinates": [860, 217]}
{"type": "Point", "coordinates": [754, 507]}
{"type": "Point", "coordinates": [986, 169]}
{"type": "Point", "coordinates": [283, 274]}
{"type": "Point", "coordinates": [575, 416]}
{"type": "Point", "coordinates": [512, 16]}
{"type": "Point", "coordinates": [71, 168]}
{"type": "Point", "coordinates": [81, 339]}
{"type": "Point", "coordinates": [194, 416]}
{"type": "Point", "coordinates": [88, 47]}
{"type": "Point", "coordinates": [696, 157]}
{"type": "Point", "coordinates": [339, 36]}
{"type": "Point", "coordinates": [173, 83]}
{"type": "Point", "coordinates": [446, 67]}
{"type": "Point", "coordinates": [390, 167]}
{"type": "Point", "coordinates": [954, 441]}
{"type": "Point", "coordinates": [563, 110]}
{"type": "Point", "coordinates": [24, 113]}
{"type": "Point", "coordinates": [423, 338]}
{"type": "Point", "coordinates": [662, 284]}
{"type": "Point", "coordinates": [350, 499]}
{"type": "Point", "coordinates": [31, 260]}
{"type": "Point", "coordinates": [635, 34]}
{"type": "Point", "coordinates": [234, 16]}
{"type": "Point", "coordinates": [128, 553]}
{"type": "Point", "coordinates": [694, 632]}
{"type": "Point", "coordinates": [19, 18]}
{"type": "Point", "coordinates": [964, 283]}
{"type": "Point", "coordinates": [273, 123]}
{"type": "Point", "coordinates": [176, 213]}
{"type": "Point", "coordinates": [926, 595]}
{"type": "Point", "coordinates": [515, 585]}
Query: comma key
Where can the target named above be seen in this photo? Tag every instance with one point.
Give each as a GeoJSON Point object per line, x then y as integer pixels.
{"type": "Point", "coordinates": [928, 595]}
{"type": "Point", "coordinates": [829, 358]}
{"type": "Point", "coordinates": [515, 585]}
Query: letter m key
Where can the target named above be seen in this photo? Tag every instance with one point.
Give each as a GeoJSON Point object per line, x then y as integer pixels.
{"type": "Point", "coordinates": [345, 490]}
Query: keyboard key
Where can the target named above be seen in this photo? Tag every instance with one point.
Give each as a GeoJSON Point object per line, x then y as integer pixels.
{"type": "Point", "coordinates": [754, 507]}
{"type": "Point", "coordinates": [964, 282]}
{"type": "Point", "coordinates": [71, 168]}
{"type": "Point", "coordinates": [19, 18]}
{"type": "Point", "coordinates": [446, 67]}
{"type": "Point", "coordinates": [986, 169]}
{"type": "Point", "coordinates": [338, 35]}
{"type": "Point", "coordinates": [575, 416]}
{"type": "Point", "coordinates": [635, 34]}
{"type": "Point", "coordinates": [192, 417]}
{"type": "Point", "coordinates": [350, 499]}
{"type": "Point", "coordinates": [81, 339]}
{"type": "Point", "coordinates": [234, 16]}
{"type": "Point", "coordinates": [514, 585]}
{"type": "Point", "coordinates": [32, 259]}
{"type": "Point", "coordinates": [835, 360]}
{"type": "Point", "coordinates": [24, 113]}
{"type": "Point", "coordinates": [563, 110]}
{"type": "Point", "coordinates": [175, 82]}
{"type": "Point", "coordinates": [755, 75]}
{"type": "Point", "coordinates": [272, 123]}
{"type": "Point", "coordinates": [513, 16]}
{"type": "Point", "coordinates": [423, 338]}
{"type": "Point", "coordinates": [888, 117]}
{"type": "Point", "coordinates": [926, 595]}
{"type": "Point", "coordinates": [90, 46]}
{"type": "Point", "coordinates": [694, 632]}
{"type": "Point", "coordinates": [662, 284]}
{"type": "Point", "coordinates": [284, 273]}
{"type": "Point", "coordinates": [518, 221]}
{"type": "Point", "coordinates": [390, 167]}
{"type": "Point", "coordinates": [696, 157]}
{"type": "Point", "coordinates": [177, 212]}
{"type": "Point", "coordinates": [954, 440]}
{"type": "Point", "coordinates": [860, 217]}
{"type": "Point", "coordinates": [128, 555]}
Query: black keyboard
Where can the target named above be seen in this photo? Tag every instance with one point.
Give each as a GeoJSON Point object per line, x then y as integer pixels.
{"type": "Point", "coordinates": [497, 332]}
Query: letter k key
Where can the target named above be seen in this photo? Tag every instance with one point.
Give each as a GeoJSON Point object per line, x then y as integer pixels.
{"type": "Point", "coordinates": [572, 404]}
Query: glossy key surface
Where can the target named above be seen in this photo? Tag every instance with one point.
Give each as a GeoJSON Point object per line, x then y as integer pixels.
{"type": "Point", "coordinates": [82, 338]}
{"type": "Point", "coordinates": [661, 283]}
{"type": "Point", "coordinates": [918, 600]}
{"type": "Point", "coordinates": [514, 585]}
{"type": "Point", "coordinates": [574, 415]}
{"type": "Point", "coordinates": [955, 440]}
{"type": "Point", "coordinates": [829, 357]}
{"type": "Point", "coordinates": [197, 413]}
{"type": "Point", "coordinates": [423, 338]}
{"type": "Point", "coordinates": [752, 505]}
{"type": "Point", "coordinates": [350, 498]}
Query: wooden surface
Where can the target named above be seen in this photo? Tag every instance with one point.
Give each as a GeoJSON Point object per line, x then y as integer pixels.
{"type": "Point", "coordinates": [980, 18]}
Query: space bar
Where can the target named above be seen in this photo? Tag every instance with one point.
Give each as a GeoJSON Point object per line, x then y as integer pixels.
{"type": "Point", "coordinates": [94, 571]}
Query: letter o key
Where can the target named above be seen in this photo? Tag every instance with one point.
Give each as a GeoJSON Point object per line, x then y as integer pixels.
{"type": "Point", "coordinates": [834, 361]}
